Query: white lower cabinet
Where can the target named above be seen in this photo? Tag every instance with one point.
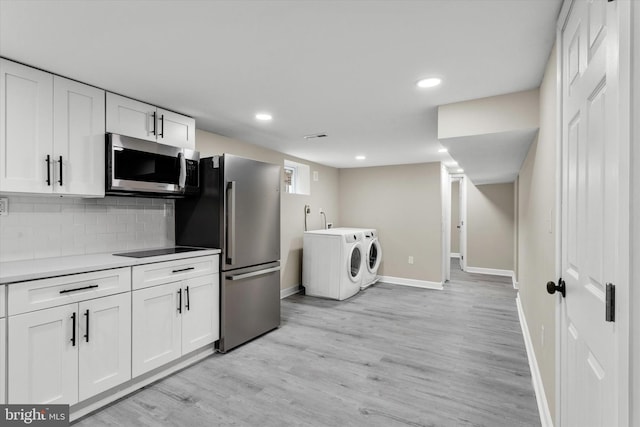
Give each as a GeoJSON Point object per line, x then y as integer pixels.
{"type": "Point", "coordinates": [65, 354]}
{"type": "Point", "coordinates": [3, 360]}
{"type": "Point", "coordinates": [173, 319]}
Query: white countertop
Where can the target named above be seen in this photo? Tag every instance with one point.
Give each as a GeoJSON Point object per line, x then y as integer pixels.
{"type": "Point", "coordinates": [32, 269]}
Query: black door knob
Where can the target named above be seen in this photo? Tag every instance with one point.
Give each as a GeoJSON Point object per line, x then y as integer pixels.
{"type": "Point", "coordinates": [561, 287]}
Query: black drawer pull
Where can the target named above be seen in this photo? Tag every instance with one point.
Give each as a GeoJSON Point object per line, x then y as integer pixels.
{"type": "Point", "coordinates": [78, 289]}
{"type": "Point", "coordinates": [180, 300]}
{"type": "Point", "coordinates": [73, 329]}
{"type": "Point", "coordinates": [86, 336]}
{"type": "Point", "coordinates": [183, 269]}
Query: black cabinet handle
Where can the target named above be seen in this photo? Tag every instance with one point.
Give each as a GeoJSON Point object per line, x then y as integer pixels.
{"type": "Point", "coordinates": [73, 329]}
{"type": "Point", "coordinates": [154, 123]}
{"type": "Point", "coordinates": [183, 269]}
{"type": "Point", "coordinates": [161, 134]}
{"type": "Point", "coordinates": [48, 161]}
{"type": "Point", "coordinates": [86, 336]}
{"type": "Point", "coordinates": [64, 291]}
{"type": "Point", "coordinates": [186, 295]}
{"type": "Point", "coordinates": [60, 180]}
{"type": "Point", "coordinates": [180, 300]}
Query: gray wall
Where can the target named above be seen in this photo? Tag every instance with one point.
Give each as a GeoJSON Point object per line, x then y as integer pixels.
{"type": "Point", "coordinates": [404, 204]}
{"type": "Point", "coordinates": [490, 226]}
{"type": "Point", "coordinates": [455, 217]}
{"type": "Point", "coordinates": [536, 233]}
{"type": "Point", "coordinates": [324, 194]}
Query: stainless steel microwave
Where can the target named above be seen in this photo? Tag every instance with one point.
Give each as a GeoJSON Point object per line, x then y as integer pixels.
{"type": "Point", "coordinates": [135, 167]}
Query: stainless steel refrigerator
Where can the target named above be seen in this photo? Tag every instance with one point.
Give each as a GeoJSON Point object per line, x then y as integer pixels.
{"type": "Point", "coordinates": [238, 211]}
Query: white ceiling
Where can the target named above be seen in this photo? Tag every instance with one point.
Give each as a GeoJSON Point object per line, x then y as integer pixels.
{"type": "Point", "coordinates": [345, 68]}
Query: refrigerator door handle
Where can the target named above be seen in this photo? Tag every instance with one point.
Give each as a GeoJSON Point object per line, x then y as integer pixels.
{"type": "Point", "coordinates": [231, 222]}
{"type": "Point", "coordinates": [253, 273]}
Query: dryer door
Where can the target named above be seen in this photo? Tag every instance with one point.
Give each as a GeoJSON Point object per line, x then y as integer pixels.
{"type": "Point", "coordinates": [355, 262]}
{"type": "Point", "coordinates": [374, 254]}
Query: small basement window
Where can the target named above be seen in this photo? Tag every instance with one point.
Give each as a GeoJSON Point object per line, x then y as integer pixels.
{"type": "Point", "coordinates": [297, 178]}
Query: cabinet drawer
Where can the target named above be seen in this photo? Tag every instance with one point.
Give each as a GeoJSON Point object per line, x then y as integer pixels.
{"type": "Point", "coordinates": [38, 294]}
{"type": "Point", "coordinates": [144, 276]}
{"type": "Point", "coordinates": [3, 300]}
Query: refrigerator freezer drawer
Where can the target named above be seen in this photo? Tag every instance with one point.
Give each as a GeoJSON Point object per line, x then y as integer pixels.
{"type": "Point", "coordinates": [250, 304]}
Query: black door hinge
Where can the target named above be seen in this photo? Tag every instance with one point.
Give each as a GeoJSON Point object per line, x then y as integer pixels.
{"type": "Point", "coordinates": [610, 314]}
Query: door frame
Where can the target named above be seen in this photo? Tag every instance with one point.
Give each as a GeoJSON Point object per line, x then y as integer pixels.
{"type": "Point", "coordinates": [445, 178]}
{"type": "Point", "coordinates": [622, 19]}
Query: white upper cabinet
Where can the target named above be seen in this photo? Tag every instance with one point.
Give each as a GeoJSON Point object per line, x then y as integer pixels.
{"type": "Point", "coordinates": [176, 129]}
{"type": "Point", "coordinates": [133, 118]}
{"type": "Point", "coordinates": [78, 138]}
{"type": "Point", "coordinates": [51, 134]}
{"type": "Point", "coordinates": [126, 116]}
{"type": "Point", "coordinates": [26, 129]}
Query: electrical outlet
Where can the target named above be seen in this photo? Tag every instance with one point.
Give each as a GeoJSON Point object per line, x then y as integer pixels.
{"type": "Point", "coordinates": [315, 175]}
{"type": "Point", "coordinates": [4, 206]}
{"type": "Point", "coordinates": [307, 209]}
{"type": "Point", "coordinates": [410, 259]}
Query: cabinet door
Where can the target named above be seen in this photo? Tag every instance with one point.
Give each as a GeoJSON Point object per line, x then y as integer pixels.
{"type": "Point", "coordinates": [26, 114]}
{"type": "Point", "coordinates": [105, 344]}
{"type": "Point", "coordinates": [43, 360]}
{"type": "Point", "coordinates": [156, 327]}
{"type": "Point", "coordinates": [3, 360]}
{"type": "Point", "coordinates": [200, 316]}
{"type": "Point", "coordinates": [78, 138]}
{"type": "Point", "coordinates": [176, 130]}
{"type": "Point", "coordinates": [129, 117]}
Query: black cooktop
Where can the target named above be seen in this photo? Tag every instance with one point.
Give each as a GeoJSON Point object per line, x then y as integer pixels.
{"type": "Point", "coordinates": [156, 252]}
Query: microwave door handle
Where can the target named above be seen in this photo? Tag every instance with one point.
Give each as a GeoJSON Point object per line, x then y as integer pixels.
{"type": "Point", "coordinates": [182, 178]}
{"type": "Point", "coordinates": [231, 221]}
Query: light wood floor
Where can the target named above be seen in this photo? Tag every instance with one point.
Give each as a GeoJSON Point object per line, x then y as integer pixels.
{"type": "Point", "coordinates": [390, 356]}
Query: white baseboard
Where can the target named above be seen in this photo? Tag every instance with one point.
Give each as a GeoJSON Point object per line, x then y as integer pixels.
{"type": "Point", "coordinates": [515, 282]}
{"type": "Point", "coordinates": [455, 255]}
{"type": "Point", "coordinates": [289, 291]}
{"type": "Point", "coordinates": [492, 271]}
{"type": "Point", "coordinates": [411, 282]}
{"type": "Point", "coordinates": [536, 378]}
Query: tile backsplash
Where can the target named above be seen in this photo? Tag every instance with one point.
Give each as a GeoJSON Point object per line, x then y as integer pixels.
{"type": "Point", "coordinates": [41, 227]}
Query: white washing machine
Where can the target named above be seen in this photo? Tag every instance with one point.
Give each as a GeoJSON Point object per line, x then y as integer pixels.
{"type": "Point", "coordinates": [332, 265]}
{"type": "Point", "coordinates": [372, 255]}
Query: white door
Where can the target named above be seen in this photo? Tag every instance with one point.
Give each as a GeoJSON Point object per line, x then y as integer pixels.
{"type": "Point", "coordinates": [78, 138]}
{"type": "Point", "coordinates": [156, 317]}
{"type": "Point", "coordinates": [200, 315]}
{"type": "Point", "coordinates": [176, 130]}
{"type": "Point", "coordinates": [589, 372]}
{"type": "Point", "coordinates": [3, 360]}
{"type": "Point", "coordinates": [105, 344]}
{"type": "Point", "coordinates": [26, 114]}
{"type": "Point", "coordinates": [43, 356]}
{"type": "Point", "coordinates": [129, 117]}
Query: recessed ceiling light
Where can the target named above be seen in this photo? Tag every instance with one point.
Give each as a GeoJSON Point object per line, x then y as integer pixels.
{"type": "Point", "coordinates": [460, 170]}
{"type": "Point", "coordinates": [265, 117]}
{"type": "Point", "coordinates": [430, 82]}
{"type": "Point", "coordinates": [451, 164]}
{"type": "Point", "coordinates": [442, 150]}
{"type": "Point", "coordinates": [360, 157]}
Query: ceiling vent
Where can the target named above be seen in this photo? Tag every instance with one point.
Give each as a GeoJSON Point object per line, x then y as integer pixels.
{"type": "Point", "coordinates": [316, 135]}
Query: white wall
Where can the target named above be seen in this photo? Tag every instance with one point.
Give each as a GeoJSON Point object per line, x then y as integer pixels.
{"type": "Point", "coordinates": [404, 204]}
{"type": "Point", "coordinates": [495, 114]}
{"type": "Point", "coordinates": [536, 233]}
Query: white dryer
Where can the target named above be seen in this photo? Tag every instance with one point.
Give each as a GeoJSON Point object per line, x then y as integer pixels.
{"type": "Point", "coordinates": [372, 254]}
{"type": "Point", "coordinates": [332, 265]}
{"type": "Point", "coordinates": [372, 258]}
